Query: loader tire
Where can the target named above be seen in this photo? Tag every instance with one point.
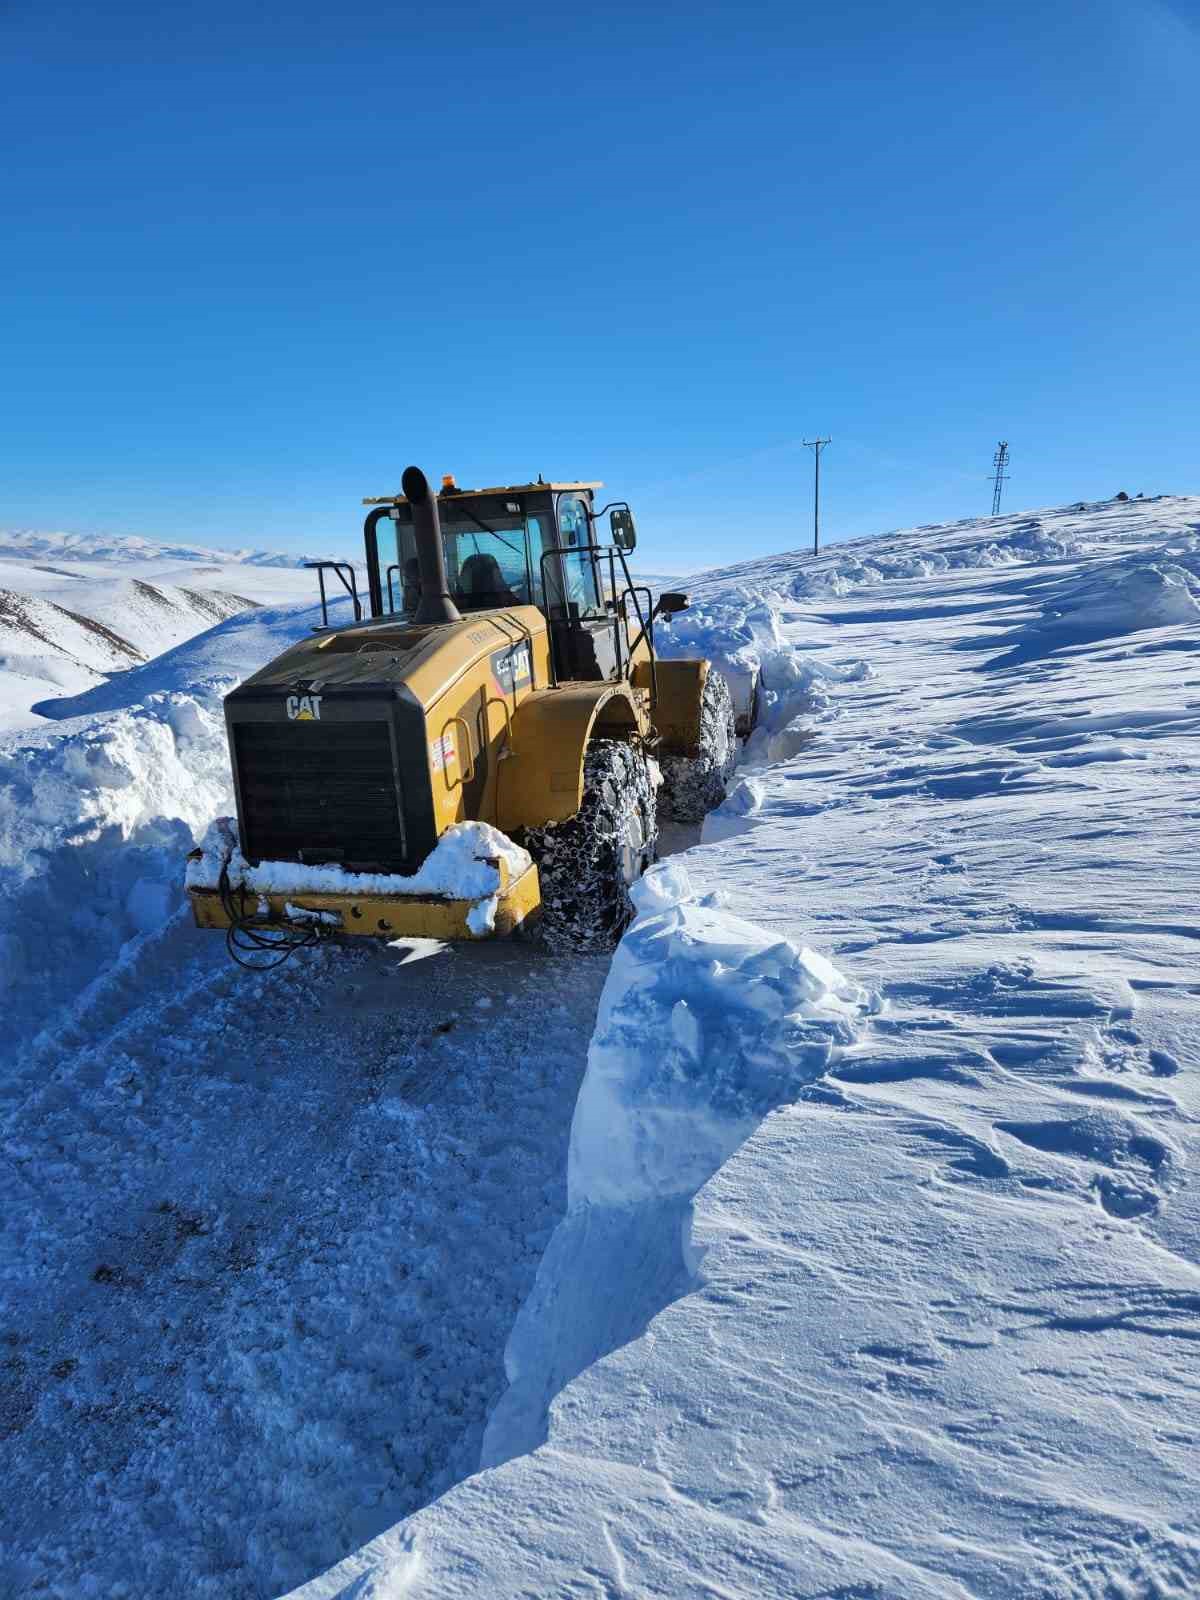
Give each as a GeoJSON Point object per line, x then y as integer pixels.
{"type": "Point", "coordinates": [693, 786]}
{"type": "Point", "coordinates": [587, 863]}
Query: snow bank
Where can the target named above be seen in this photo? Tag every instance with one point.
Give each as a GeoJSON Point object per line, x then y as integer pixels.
{"type": "Point", "coordinates": [735, 629]}
{"type": "Point", "coordinates": [739, 629]}
{"type": "Point", "coordinates": [706, 1024]}
{"type": "Point", "coordinates": [1028, 543]}
{"type": "Point", "coordinates": [97, 814]}
{"type": "Point", "coordinates": [94, 824]}
{"type": "Point", "coordinates": [1154, 589]}
{"type": "Point", "coordinates": [909, 554]}
{"type": "Point", "coordinates": [67, 788]}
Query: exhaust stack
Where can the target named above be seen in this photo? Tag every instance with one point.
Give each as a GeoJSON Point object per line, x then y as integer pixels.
{"type": "Point", "coordinates": [435, 604]}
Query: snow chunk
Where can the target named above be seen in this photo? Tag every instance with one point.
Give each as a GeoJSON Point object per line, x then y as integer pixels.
{"type": "Point", "coordinates": [665, 885]}
{"type": "Point", "coordinates": [326, 919]}
{"type": "Point", "coordinates": [736, 812]}
{"type": "Point", "coordinates": [216, 848]}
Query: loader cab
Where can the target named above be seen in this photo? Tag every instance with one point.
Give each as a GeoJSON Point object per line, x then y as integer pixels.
{"type": "Point", "coordinates": [528, 544]}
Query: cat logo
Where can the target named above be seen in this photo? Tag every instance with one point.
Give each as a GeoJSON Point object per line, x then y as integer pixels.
{"type": "Point", "coordinates": [304, 707]}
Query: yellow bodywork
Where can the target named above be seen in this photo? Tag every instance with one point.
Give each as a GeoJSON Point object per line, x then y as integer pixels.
{"type": "Point", "coordinates": [512, 754]}
{"type": "Point", "coordinates": [504, 744]}
{"type": "Point", "coordinates": [680, 693]}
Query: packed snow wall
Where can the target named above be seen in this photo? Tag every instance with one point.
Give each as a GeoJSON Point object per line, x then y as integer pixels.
{"type": "Point", "coordinates": [706, 1024]}
{"type": "Point", "coordinates": [98, 814]}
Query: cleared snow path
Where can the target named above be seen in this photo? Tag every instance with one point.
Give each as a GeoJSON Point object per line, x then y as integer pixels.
{"type": "Point", "coordinates": [264, 1240]}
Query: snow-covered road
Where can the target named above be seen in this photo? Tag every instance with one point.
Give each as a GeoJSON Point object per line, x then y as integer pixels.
{"type": "Point", "coordinates": [264, 1240]}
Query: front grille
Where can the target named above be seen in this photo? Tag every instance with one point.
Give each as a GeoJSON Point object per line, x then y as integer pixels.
{"type": "Point", "coordinates": [320, 791]}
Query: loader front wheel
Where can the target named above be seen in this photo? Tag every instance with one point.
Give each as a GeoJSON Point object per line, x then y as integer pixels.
{"type": "Point", "coordinates": [588, 863]}
{"type": "Point", "coordinates": [694, 785]}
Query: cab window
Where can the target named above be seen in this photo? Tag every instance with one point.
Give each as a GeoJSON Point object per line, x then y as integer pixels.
{"type": "Point", "coordinates": [572, 522]}
{"type": "Point", "coordinates": [486, 568]}
{"type": "Point", "coordinates": [579, 566]}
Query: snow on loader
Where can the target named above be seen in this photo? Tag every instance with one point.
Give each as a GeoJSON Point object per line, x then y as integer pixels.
{"type": "Point", "coordinates": [486, 755]}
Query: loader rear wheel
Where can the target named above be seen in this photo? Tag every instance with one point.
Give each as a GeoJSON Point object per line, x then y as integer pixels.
{"type": "Point", "coordinates": [587, 863]}
{"type": "Point", "coordinates": [693, 785]}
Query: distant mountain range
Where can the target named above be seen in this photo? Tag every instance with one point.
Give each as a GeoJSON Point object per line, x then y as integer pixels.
{"type": "Point", "coordinates": [28, 544]}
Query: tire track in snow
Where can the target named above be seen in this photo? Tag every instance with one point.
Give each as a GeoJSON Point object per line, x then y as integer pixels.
{"type": "Point", "coordinates": [268, 1238]}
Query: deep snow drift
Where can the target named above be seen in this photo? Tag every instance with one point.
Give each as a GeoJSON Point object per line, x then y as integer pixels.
{"type": "Point", "coordinates": [872, 1266]}
{"type": "Point", "coordinates": [97, 810]}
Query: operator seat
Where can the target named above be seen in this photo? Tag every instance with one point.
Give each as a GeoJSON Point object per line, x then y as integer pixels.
{"type": "Point", "coordinates": [483, 585]}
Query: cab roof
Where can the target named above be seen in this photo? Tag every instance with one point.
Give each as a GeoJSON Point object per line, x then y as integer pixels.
{"type": "Point", "coordinates": [469, 494]}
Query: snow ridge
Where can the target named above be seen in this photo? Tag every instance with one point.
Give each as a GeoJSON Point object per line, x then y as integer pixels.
{"type": "Point", "coordinates": [31, 543]}
{"type": "Point", "coordinates": [706, 1024]}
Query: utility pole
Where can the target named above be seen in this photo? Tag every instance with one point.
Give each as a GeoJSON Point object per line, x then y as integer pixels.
{"type": "Point", "coordinates": [999, 461]}
{"type": "Point", "coordinates": [816, 446]}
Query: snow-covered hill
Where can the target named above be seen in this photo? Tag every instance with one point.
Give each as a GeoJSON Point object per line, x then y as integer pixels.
{"type": "Point", "coordinates": [46, 647]}
{"type": "Point", "coordinates": [75, 609]}
{"type": "Point", "coordinates": [876, 1268]}
{"type": "Point", "coordinates": [35, 544]}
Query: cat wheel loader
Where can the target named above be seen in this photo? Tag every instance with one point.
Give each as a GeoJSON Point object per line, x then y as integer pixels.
{"type": "Point", "coordinates": [506, 675]}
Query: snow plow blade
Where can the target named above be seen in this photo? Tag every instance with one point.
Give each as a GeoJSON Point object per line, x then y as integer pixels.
{"type": "Point", "coordinates": [515, 907]}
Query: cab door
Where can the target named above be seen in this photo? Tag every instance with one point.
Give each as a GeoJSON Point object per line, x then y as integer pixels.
{"type": "Point", "coordinates": [582, 624]}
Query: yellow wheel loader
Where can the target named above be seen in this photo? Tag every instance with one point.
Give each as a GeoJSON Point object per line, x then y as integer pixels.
{"type": "Point", "coordinates": [505, 678]}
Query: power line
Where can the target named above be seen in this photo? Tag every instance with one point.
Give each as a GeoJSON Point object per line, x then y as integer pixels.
{"type": "Point", "coordinates": [999, 461]}
{"type": "Point", "coordinates": [816, 446]}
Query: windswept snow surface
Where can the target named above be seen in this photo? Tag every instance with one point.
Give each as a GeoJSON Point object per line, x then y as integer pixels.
{"type": "Point", "coordinates": [870, 1266]}
{"type": "Point", "coordinates": [929, 1328]}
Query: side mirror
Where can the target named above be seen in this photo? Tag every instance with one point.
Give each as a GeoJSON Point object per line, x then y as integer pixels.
{"type": "Point", "coordinates": [672, 602]}
{"type": "Point", "coordinates": [624, 531]}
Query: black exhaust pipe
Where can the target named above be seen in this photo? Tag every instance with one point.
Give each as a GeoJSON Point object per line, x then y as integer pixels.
{"type": "Point", "coordinates": [435, 604]}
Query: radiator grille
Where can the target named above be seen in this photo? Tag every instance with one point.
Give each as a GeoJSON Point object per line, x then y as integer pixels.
{"type": "Point", "coordinates": [311, 788]}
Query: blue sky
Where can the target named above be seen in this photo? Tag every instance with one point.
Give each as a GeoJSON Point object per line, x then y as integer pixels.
{"type": "Point", "coordinates": [258, 259]}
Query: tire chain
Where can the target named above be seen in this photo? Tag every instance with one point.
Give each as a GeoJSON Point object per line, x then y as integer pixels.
{"type": "Point", "coordinates": [694, 785]}
{"type": "Point", "coordinates": [585, 894]}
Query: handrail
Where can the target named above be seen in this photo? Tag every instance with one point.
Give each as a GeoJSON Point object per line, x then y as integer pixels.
{"type": "Point", "coordinates": [464, 778]}
{"type": "Point", "coordinates": [395, 567]}
{"type": "Point", "coordinates": [351, 588]}
{"type": "Point", "coordinates": [647, 630]}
